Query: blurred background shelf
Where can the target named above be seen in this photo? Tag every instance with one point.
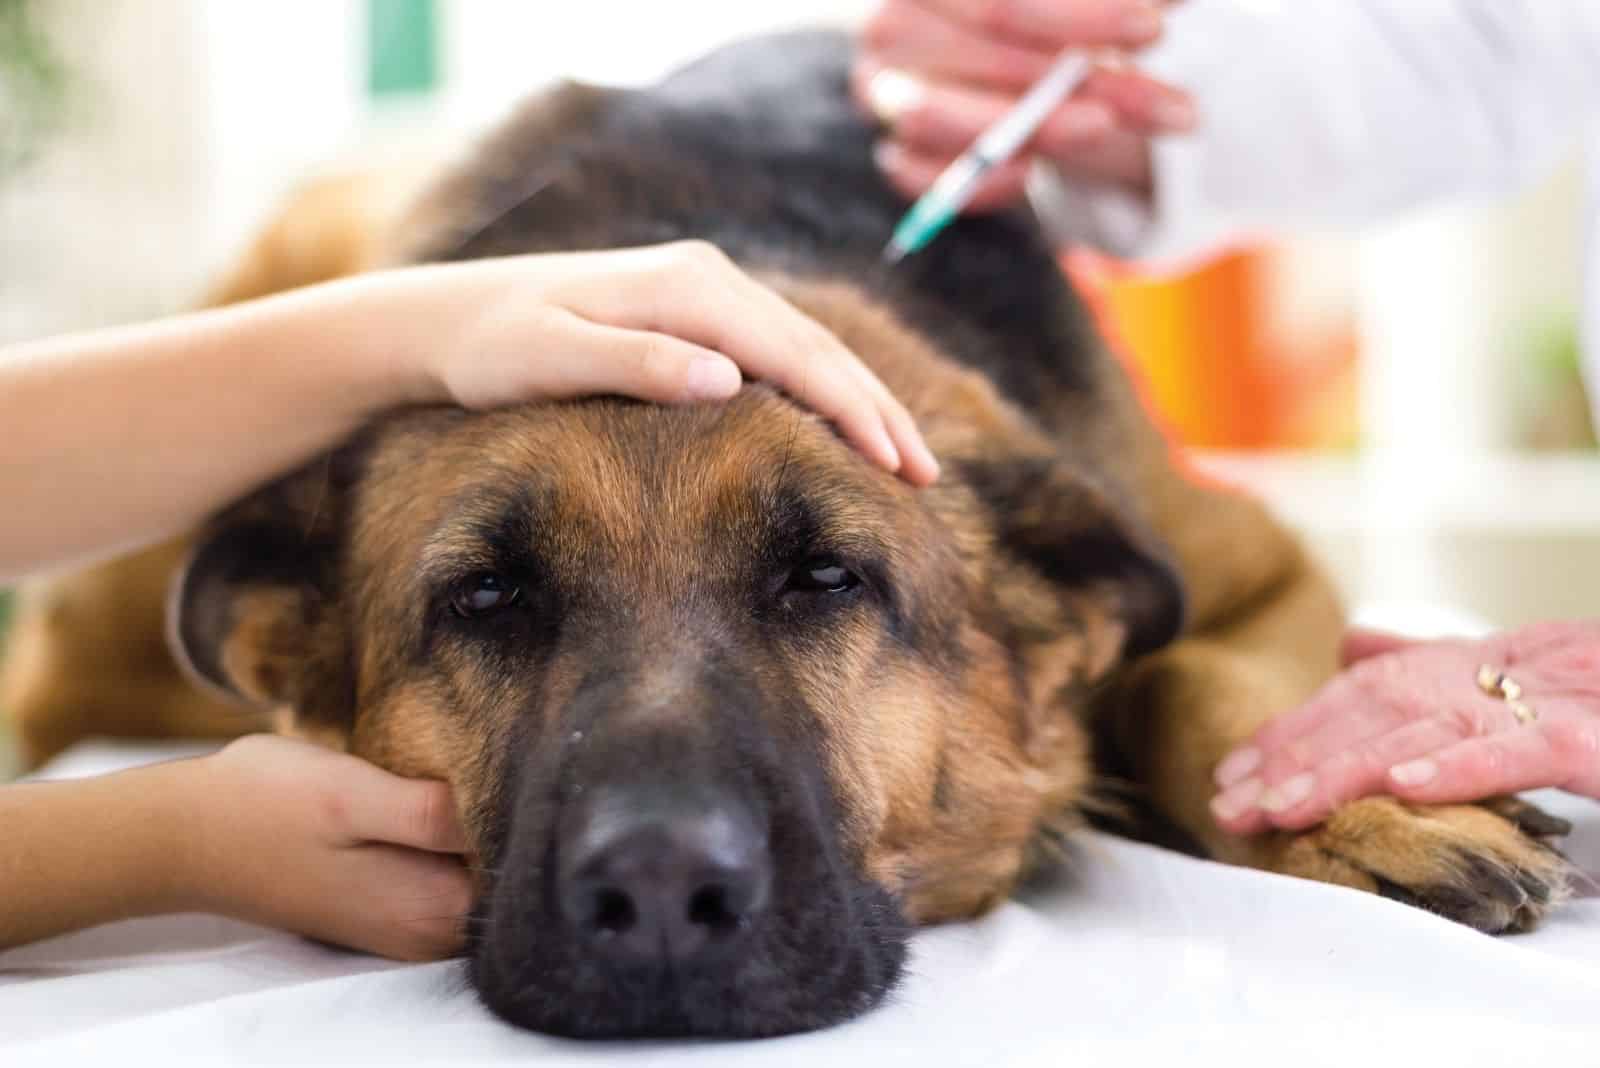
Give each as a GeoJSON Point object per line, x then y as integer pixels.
{"type": "Point", "coordinates": [1525, 492]}
{"type": "Point", "coordinates": [1506, 538]}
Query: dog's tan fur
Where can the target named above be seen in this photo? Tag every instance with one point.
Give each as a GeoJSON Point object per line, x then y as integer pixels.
{"type": "Point", "coordinates": [947, 809]}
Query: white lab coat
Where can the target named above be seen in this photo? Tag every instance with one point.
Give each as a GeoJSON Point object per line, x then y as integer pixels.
{"type": "Point", "coordinates": [1319, 113]}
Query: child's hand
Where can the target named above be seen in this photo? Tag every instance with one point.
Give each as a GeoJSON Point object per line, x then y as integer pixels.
{"type": "Point", "coordinates": [157, 426]}
{"type": "Point", "coordinates": [291, 835]}
{"type": "Point", "coordinates": [674, 323]}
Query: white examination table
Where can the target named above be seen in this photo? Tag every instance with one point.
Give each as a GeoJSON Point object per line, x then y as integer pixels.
{"type": "Point", "coordinates": [1131, 955]}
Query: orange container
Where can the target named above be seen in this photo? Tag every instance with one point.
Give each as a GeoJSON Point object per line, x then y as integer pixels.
{"type": "Point", "coordinates": [1214, 364]}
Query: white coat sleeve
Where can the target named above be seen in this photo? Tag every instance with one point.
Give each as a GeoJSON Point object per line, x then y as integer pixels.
{"type": "Point", "coordinates": [1338, 113]}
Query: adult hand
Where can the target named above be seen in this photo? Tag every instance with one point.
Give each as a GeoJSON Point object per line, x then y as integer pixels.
{"type": "Point", "coordinates": [675, 323]}
{"type": "Point", "coordinates": [937, 73]}
{"type": "Point", "coordinates": [1409, 719]}
{"type": "Point", "coordinates": [292, 835]}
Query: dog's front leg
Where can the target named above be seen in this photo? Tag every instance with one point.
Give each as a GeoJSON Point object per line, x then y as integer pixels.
{"type": "Point", "coordinates": [1175, 715]}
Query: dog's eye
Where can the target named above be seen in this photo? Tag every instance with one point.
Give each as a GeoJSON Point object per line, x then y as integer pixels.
{"type": "Point", "coordinates": [483, 593]}
{"type": "Point", "coordinates": [822, 575]}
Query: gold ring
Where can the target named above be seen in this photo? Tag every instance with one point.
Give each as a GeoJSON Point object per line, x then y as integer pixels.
{"type": "Point", "coordinates": [1496, 683]}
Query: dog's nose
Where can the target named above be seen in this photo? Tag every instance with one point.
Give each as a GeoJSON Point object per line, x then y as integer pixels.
{"type": "Point", "coordinates": [647, 879]}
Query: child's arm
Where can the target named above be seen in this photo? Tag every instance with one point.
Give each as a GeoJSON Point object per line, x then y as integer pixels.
{"type": "Point", "coordinates": [117, 438]}
{"type": "Point", "coordinates": [270, 830]}
{"type": "Point", "coordinates": [85, 852]}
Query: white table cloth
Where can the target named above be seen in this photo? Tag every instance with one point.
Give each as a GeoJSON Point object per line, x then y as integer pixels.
{"type": "Point", "coordinates": [1126, 955]}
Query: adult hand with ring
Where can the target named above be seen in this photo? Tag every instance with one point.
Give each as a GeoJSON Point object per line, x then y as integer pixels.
{"type": "Point", "coordinates": [1429, 722]}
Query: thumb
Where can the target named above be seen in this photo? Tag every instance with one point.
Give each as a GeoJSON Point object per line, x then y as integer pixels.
{"type": "Point", "coordinates": [1362, 644]}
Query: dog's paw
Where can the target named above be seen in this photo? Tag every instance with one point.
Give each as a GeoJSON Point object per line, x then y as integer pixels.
{"type": "Point", "coordinates": [1490, 866]}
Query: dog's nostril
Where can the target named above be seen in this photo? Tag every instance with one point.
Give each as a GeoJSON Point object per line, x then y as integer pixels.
{"type": "Point", "coordinates": [709, 907]}
{"type": "Point", "coordinates": [613, 912]}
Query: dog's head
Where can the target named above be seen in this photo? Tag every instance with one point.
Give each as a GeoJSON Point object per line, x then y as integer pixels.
{"type": "Point", "coordinates": [725, 708]}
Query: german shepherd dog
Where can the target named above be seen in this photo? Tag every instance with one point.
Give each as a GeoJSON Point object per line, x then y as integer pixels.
{"type": "Point", "coordinates": [728, 710]}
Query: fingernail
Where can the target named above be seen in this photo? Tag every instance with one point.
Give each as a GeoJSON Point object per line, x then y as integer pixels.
{"type": "Point", "coordinates": [1229, 805]}
{"type": "Point", "coordinates": [1085, 119]}
{"type": "Point", "coordinates": [712, 378]}
{"type": "Point", "coordinates": [1238, 766]}
{"type": "Point", "coordinates": [1174, 113]}
{"type": "Point", "coordinates": [1288, 794]}
{"type": "Point", "coordinates": [1141, 23]}
{"type": "Point", "coordinates": [1413, 774]}
{"type": "Point", "coordinates": [891, 93]}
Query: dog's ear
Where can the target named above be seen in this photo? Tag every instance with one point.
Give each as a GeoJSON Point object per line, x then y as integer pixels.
{"type": "Point", "coordinates": [255, 611]}
{"type": "Point", "coordinates": [1097, 558]}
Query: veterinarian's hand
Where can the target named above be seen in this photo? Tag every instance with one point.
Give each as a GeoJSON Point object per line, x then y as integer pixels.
{"type": "Point", "coordinates": [937, 73]}
{"type": "Point", "coordinates": [1410, 719]}
{"type": "Point", "coordinates": [292, 835]}
{"type": "Point", "coordinates": [675, 323]}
